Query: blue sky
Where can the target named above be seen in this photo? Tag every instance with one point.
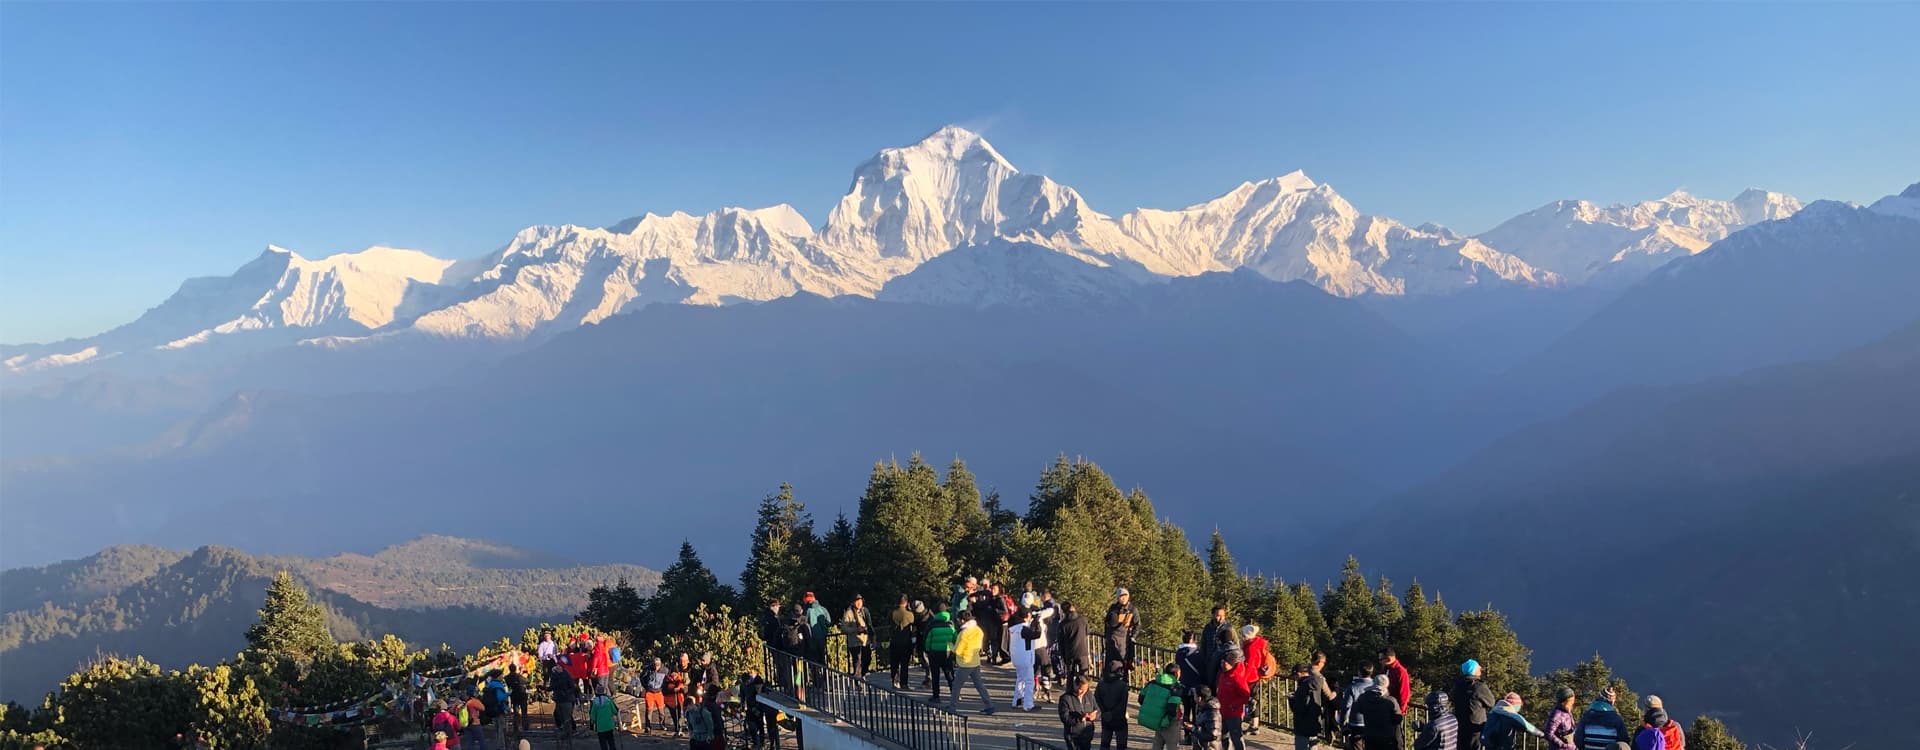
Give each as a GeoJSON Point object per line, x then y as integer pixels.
{"type": "Point", "coordinates": [142, 144]}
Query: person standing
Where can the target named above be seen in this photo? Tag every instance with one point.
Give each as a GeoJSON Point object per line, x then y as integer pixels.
{"type": "Point", "coordinates": [566, 694]}
{"type": "Point", "coordinates": [1186, 657]}
{"type": "Point", "coordinates": [771, 619]}
{"type": "Point", "coordinates": [1601, 726]}
{"type": "Point", "coordinates": [796, 642]}
{"type": "Point", "coordinates": [1351, 720]}
{"type": "Point", "coordinates": [1382, 717]}
{"type": "Point", "coordinates": [1669, 729]}
{"type": "Point", "coordinates": [1505, 726]}
{"type": "Point", "coordinates": [473, 735]}
{"type": "Point", "coordinates": [605, 718]}
{"type": "Point", "coordinates": [547, 652]}
{"type": "Point", "coordinates": [968, 645]}
{"type": "Point", "coordinates": [1311, 697]}
{"type": "Point", "coordinates": [703, 725]}
{"type": "Point", "coordinates": [1234, 690]}
{"type": "Point", "coordinates": [653, 697]}
{"type": "Point", "coordinates": [1441, 730]}
{"type": "Point", "coordinates": [900, 645]}
{"type": "Point", "coordinates": [603, 666]}
{"type": "Point", "coordinates": [1073, 639]}
{"type": "Point", "coordinates": [856, 624]}
{"type": "Point", "coordinates": [1122, 624]}
{"type": "Point", "coordinates": [1022, 636]}
{"type": "Point", "coordinates": [1399, 682]}
{"type": "Point", "coordinates": [922, 619]}
{"type": "Point", "coordinates": [819, 629]}
{"type": "Point", "coordinates": [1078, 715]}
{"type": "Point", "coordinates": [518, 696]}
{"type": "Point", "coordinates": [675, 694]}
{"type": "Point", "coordinates": [938, 646]}
{"type": "Point", "coordinates": [1160, 710]}
{"type": "Point", "coordinates": [1472, 699]}
{"type": "Point", "coordinates": [1216, 630]}
{"type": "Point", "coordinates": [994, 625]}
{"type": "Point", "coordinates": [1110, 698]}
{"type": "Point", "coordinates": [1560, 720]}
{"type": "Point", "coordinates": [445, 723]}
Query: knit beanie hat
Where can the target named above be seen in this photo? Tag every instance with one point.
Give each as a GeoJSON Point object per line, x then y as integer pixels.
{"type": "Point", "coordinates": [1470, 667]}
{"type": "Point", "coordinates": [1562, 694]}
{"type": "Point", "coordinates": [1381, 681]}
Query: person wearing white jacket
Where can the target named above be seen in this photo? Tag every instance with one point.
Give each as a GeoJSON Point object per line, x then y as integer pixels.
{"type": "Point", "coordinates": [1021, 639]}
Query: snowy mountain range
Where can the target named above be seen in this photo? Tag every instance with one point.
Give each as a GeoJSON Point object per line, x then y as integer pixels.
{"type": "Point", "coordinates": [906, 206]}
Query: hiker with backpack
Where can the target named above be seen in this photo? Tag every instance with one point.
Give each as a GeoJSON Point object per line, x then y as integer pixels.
{"type": "Point", "coordinates": [566, 694]}
{"type": "Point", "coordinates": [606, 720]}
{"type": "Point", "coordinates": [795, 643]}
{"type": "Point", "coordinates": [519, 698]}
{"type": "Point", "coordinates": [1160, 713]}
{"type": "Point", "coordinates": [676, 691]}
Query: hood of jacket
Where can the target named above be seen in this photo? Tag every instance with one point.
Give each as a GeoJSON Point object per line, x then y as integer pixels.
{"type": "Point", "coordinates": [943, 617]}
{"type": "Point", "coordinates": [969, 625]}
{"type": "Point", "coordinates": [1439, 703]}
{"type": "Point", "coordinates": [1656, 717]}
{"type": "Point", "coordinates": [1602, 706]}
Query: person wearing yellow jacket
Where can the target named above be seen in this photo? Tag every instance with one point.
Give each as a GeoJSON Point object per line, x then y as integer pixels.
{"type": "Point", "coordinates": [966, 663]}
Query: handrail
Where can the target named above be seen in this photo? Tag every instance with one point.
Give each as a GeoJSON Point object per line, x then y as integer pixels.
{"type": "Point", "coordinates": [886, 713]}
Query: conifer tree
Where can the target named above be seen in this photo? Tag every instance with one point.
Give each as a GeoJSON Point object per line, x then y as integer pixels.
{"type": "Point", "coordinates": [896, 546]}
{"type": "Point", "coordinates": [684, 587]}
{"type": "Point", "coordinates": [776, 565]}
{"type": "Point", "coordinates": [1229, 588]}
{"type": "Point", "coordinates": [615, 609]}
{"type": "Point", "coordinates": [1708, 733]}
{"type": "Point", "coordinates": [832, 565]}
{"type": "Point", "coordinates": [289, 624]}
{"type": "Point", "coordinates": [1389, 611]}
{"type": "Point", "coordinates": [1424, 638]}
{"type": "Point", "coordinates": [1353, 618]}
{"type": "Point", "coordinates": [1309, 604]}
{"type": "Point", "coordinates": [1287, 630]}
{"type": "Point", "coordinates": [1175, 596]}
{"type": "Point", "coordinates": [1486, 638]}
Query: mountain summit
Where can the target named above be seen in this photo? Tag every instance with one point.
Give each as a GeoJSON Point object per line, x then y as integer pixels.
{"type": "Point", "coordinates": [905, 206]}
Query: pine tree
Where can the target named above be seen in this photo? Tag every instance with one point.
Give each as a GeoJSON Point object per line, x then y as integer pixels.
{"type": "Point", "coordinates": [1174, 596]}
{"type": "Point", "coordinates": [289, 625]}
{"type": "Point", "coordinates": [897, 550]}
{"type": "Point", "coordinates": [1390, 613]}
{"type": "Point", "coordinates": [1228, 587]}
{"type": "Point", "coordinates": [1708, 733]}
{"type": "Point", "coordinates": [1424, 638]}
{"type": "Point", "coordinates": [616, 609]}
{"type": "Point", "coordinates": [1353, 620]}
{"type": "Point", "coordinates": [1486, 638]}
{"type": "Point", "coordinates": [832, 563]}
{"type": "Point", "coordinates": [1287, 630]}
{"type": "Point", "coordinates": [685, 586]}
{"type": "Point", "coordinates": [966, 535]}
{"type": "Point", "coordinates": [776, 567]}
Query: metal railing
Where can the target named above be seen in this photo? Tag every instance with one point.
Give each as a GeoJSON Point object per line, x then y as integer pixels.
{"type": "Point", "coordinates": [889, 714]}
{"type": "Point", "coordinates": [1024, 742]}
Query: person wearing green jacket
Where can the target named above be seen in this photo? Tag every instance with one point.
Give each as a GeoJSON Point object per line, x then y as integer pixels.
{"type": "Point", "coordinates": [604, 716]}
{"type": "Point", "coordinates": [1160, 710]}
{"type": "Point", "coordinates": [938, 645]}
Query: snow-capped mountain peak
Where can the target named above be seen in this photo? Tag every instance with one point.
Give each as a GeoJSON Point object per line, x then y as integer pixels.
{"type": "Point", "coordinates": [1906, 204]}
{"type": "Point", "coordinates": [1620, 243]}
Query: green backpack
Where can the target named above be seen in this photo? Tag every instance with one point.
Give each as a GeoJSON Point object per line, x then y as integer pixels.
{"type": "Point", "coordinates": [1155, 700]}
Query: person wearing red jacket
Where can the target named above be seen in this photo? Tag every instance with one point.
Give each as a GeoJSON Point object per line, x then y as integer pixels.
{"type": "Point", "coordinates": [603, 666]}
{"type": "Point", "coordinates": [1399, 682]}
{"type": "Point", "coordinates": [1234, 692]}
{"type": "Point", "coordinates": [1260, 660]}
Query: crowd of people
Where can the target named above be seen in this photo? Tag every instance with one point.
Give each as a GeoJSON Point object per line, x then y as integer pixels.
{"type": "Point", "coordinates": [683, 698]}
{"type": "Point", "coordinates": [1205, 697]}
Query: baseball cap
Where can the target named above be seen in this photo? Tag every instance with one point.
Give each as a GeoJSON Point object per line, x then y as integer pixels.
{"type": "Point", "coordinates": [1119, 592]}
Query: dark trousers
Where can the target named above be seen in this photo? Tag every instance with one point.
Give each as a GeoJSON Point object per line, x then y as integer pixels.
{"type": "Point", "coordinates": [1112, 732]}
{"type": "Point", "coordinates": [1079, 741]}
{"type": "Point", "coordinates": [990, 647]}
{"type": "Point", "coordinates": [1470, 735]}
{"type": "Point", "coordinates": [940, 665]}
{"type": "Point", "coordinates": [899, 660]}
{"type": "Point", "coordinates": [1392, 741]}
{"type": "Point", "coordinates": [859, 658]}
{"type": "Point", "coordinates": [607, 741]}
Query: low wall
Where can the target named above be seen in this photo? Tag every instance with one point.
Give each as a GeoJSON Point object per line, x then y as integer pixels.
{"type": "Point", "coordinates": [821, 733]}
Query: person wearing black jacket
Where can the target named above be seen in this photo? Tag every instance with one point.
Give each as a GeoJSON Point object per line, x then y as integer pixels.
{"type": "Point", "coordinates": [1210, 645]}
{"type": "Point", "coordinates": [1472, 699]}
{"type": "Point", "coordinates": [1078, 715]}
{"type": "Point", "coordinates": [986, 608]}
{"type": "Point", "coordinates": [1122, 623]}
{"type": "Point", "coordinates": [1382, 715]}
{"type": "Point", "coordinates": [770, 620]}
{"type": "Point", "coordinates": [1073, 639]}
{"type": "Point", "coordinates": [1111, 698]}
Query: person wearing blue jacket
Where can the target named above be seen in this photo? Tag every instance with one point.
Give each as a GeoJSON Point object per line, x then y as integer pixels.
{"type": "Point", "coordinates": [1601, 727]}
{"type": "Point", "coordinates": [1505, 725]}
{"type": "Point", "coordinates": [1441, 730]}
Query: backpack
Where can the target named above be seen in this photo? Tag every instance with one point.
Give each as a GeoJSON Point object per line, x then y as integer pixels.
{"type": "Point", "coordinates": [1154, 699]}
{"type": "Point", "coordinates": [494, 698]}
{"type": "Point", "coordinates": [1006, 607]}
{"type": "Point", "coordinates": [793, 634]}
{"type": "Point", "coordinates": [1305, 700]}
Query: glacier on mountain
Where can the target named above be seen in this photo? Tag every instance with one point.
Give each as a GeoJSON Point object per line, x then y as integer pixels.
{"type": "Point", "coordinates": [1618, 244]}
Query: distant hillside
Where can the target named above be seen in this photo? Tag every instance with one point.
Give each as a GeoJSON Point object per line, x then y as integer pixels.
{"type": "Point", "coordinates": [178, 608]}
